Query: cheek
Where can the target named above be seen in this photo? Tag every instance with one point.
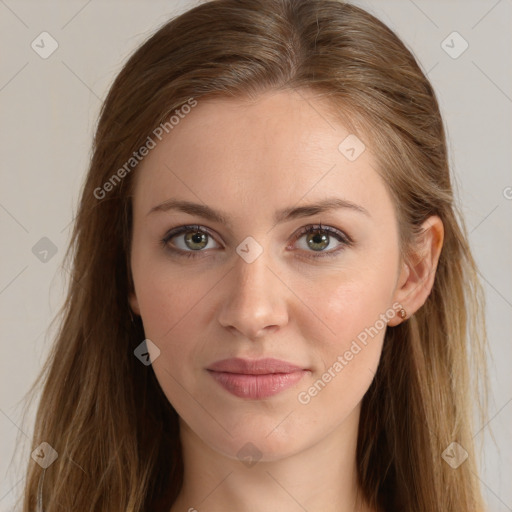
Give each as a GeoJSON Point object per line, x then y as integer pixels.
{"type": "Point", "coordinates": [169, 301]}
{"type": "Point", "coordinates": [176, 308]}
{"type": "Point", "coordinates": [172, 309]}
{"type": "Point", "coordinates": [348, 305]}
{"type": "Point", "coordinates": [354, 309]}
{"type": "Point", "coordinates": [348, 359]}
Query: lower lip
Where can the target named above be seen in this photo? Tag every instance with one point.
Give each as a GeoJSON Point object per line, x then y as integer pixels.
{"type": "Point", "coordinates": [257, 387]}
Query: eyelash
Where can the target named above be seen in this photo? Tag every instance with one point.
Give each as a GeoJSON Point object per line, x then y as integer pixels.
{"type": "Point", "coordinates": [316, 228]}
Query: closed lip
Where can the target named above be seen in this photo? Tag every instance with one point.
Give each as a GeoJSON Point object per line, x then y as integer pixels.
{"type": "Point", "coordinates": [263, 366]}
{"type": "Point", "coordinates": [256, 379]}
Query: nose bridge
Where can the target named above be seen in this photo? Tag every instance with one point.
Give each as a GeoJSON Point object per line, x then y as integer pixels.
{"type": "Point", "coordinates": [255, 298]}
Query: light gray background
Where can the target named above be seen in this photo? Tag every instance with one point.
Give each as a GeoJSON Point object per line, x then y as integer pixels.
{"type": "Point", "coordinates": [49, 108]}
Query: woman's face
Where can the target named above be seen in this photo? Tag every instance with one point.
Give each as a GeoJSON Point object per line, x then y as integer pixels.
{"type": "Point", "coordinates": [246, 281]}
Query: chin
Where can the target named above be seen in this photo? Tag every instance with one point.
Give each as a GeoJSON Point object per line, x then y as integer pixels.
{"type": "Point", "coordinates": [261, 441]}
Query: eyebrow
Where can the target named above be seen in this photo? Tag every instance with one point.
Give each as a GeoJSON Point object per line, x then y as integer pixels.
{"type": "Point", "coordinates": [283, 215]}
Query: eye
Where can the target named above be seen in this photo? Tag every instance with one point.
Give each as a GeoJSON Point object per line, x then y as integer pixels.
{"type": "Point", "coordinates": [189, 240]}
{"type": "Point", "coordinates": [318, 239]}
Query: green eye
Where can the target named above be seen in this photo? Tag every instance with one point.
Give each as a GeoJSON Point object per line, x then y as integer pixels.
{"type": "Point", "coordinates": [318, 238]}
{"type": "Point", "coordinates": [196, 241]}
{"type": "Point", "coordinates": [317, 242]}
{"type": "Point", "coordinates": [187, 240]}
{"type": "Point", "coordinates": [191, 241]}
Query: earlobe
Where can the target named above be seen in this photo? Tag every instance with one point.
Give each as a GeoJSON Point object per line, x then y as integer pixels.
{"type": "Point", "coordinates": [417, 278]}
{"type": "Point", "coordinates": [134, 303]}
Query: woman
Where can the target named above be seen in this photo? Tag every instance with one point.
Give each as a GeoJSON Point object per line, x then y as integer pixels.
{"type": "Point", "coordinates": [273, 299]}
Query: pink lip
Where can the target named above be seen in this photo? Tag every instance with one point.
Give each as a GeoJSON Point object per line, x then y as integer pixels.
{"type": "Point", "coordinates": [256, 379]}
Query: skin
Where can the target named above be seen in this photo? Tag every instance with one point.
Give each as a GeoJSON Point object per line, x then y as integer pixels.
{"type": "Point", "coordinates": [249, 159]}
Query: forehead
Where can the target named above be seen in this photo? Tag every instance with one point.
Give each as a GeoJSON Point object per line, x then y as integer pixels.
{"type": "Point", "coordinates": [279, 147]}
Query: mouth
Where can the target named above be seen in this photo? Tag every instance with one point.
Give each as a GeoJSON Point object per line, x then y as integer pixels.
{"type": "Point", "coordinates": [256, 379]}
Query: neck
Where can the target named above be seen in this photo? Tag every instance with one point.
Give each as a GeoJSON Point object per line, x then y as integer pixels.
{"type": "Point", "coordinates": [321, 477]}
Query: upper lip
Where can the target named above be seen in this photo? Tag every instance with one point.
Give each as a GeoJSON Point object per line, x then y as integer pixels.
{"type": "Point", "coordinates": [253, 366]}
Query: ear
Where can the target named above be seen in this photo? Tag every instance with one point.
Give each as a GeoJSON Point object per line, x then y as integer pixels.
{"type": "Point", "coordinates": [417, 275]}
{"type": "Point", "coordinates": [134, 303]}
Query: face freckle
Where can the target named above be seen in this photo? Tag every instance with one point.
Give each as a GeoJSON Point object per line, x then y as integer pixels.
{"type": "Point", "coordinates": [256, 289]}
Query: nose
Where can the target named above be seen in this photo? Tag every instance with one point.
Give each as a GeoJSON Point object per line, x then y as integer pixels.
{"type": "Point", "coordinates": [254, 299]}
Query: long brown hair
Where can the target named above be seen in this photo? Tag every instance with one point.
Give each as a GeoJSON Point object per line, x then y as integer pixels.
{"type": "Point", "coordinates": [115, 432]}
